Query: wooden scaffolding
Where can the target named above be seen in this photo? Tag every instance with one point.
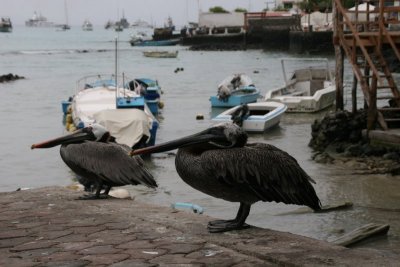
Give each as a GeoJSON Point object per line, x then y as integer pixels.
{"type": "Point", "coordinates": [360, 34]}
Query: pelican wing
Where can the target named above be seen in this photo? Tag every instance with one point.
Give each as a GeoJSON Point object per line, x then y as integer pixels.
{"type": "Point", "coordinates": [107, 161]}
{"type": "Point", "coordinates": [272, 174]}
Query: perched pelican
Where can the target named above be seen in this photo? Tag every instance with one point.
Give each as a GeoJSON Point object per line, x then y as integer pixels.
{"type": "Point", "coordinates": [99, 162]}
{"type": "Point", "coordinates": [218, 162]}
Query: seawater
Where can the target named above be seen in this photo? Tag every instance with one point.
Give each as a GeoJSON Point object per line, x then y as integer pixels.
{"type": "Point", "coordinates": [52, 62]}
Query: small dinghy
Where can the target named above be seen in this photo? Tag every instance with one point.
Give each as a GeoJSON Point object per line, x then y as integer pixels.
{"type": "Point", "coordinates": [256, 117]}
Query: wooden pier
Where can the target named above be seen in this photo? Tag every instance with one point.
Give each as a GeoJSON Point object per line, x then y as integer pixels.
{"type": "Point", "coordinates": [361, 35]}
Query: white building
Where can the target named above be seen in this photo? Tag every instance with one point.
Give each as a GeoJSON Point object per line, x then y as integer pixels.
{"type": "Point", "coordinates": [221, 20]}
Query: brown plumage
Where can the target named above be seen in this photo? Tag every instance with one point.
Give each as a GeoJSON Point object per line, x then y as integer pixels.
{"type": "Point", "coordinates": [220, 163]}
{"type": "Point", "coordinates": [98, 162]}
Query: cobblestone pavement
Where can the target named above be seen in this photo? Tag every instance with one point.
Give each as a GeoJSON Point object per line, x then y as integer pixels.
{"type": "Point", "coordinates": [49, 227]}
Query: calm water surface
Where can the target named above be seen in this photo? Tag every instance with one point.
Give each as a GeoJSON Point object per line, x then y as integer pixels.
{"type": "Point", "coordinates": [53, 61]}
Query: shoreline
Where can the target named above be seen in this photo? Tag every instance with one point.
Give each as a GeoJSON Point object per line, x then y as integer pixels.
{"type": "Point", "coordinates": [48, 227]}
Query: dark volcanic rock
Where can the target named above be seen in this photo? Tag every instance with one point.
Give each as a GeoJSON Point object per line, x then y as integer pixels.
{"type": "Point", "coordinates": [337, 138]}
{"type": "Point", "coordinates": [10, 77]}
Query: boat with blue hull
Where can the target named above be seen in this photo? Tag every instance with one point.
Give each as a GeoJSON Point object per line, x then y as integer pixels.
{"type": "Point", "coordinates": [151, 91]}
{"type": "Point", "coordinates": [124, 112]}
{"type": "Point", "coordinates": [235, 90]}
{"type": "Point", "coordinates": [168, 42]}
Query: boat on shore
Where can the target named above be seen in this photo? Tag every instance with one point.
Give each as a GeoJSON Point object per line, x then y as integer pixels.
{"type": "Point", "coordinates": [308, 88]}
{"type": "Point", "coordinates": [235, 90]}
{"type": "Point", "coordinates": [5, 24]}
{"type": "Point", "coordinates": [256, 117]}
{"type": "Point", "coordinates": [160, 54]}
{"type": "Point", "coordinates": [124, 112]}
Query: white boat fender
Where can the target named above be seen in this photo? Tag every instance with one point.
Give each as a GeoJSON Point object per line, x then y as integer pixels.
{"type": "Point", "coordinates": [194, 207]}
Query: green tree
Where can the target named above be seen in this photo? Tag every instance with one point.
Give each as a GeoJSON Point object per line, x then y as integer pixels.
{"type": "Point", "coordinates": [310, 6]}
{"type": "Point", "coordinates": [217, 9]}
{"type": "Point", "coordinates": [239, 9]}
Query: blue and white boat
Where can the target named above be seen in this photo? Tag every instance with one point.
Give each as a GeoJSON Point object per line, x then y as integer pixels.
{"type": "Point", "coordinates": [124, 112]}
{"type": "Point", "coordinates": [151, 91]}
{"type": "Point", "coordinates": [258, 118]}
{"type": "Point", "coordinates": [167, 42]}
{"type": "Point", "coordinates": [235, 90]}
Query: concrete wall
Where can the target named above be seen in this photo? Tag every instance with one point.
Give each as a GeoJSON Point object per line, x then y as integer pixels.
{"type": "Point", "coordinates": [209, 20]}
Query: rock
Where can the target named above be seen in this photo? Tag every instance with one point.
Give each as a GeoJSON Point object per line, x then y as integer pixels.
{"type": "Point", "coordinates": [337, 138]}
{"type": "Point", "coordinates": [10, 77]}
{"type": "Point", "coordinates": [392, 156]}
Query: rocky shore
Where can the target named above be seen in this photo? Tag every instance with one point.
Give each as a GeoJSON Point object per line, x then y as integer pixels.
{"type": "Point", "coordinates": [10, 77]}
{"type": "Point", "coordinates": [338, 139]}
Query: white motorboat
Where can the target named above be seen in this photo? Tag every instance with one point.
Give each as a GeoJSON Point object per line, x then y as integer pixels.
{"type": "Point", "coordinates": [260, 116]}
{"type": "Point", "coordinates": [307, 89]}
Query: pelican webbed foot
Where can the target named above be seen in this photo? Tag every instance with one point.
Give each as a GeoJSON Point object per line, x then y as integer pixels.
{"type": "Point", "coordinates": [238, 223]}
{"type": "Point", "coordinates": [93, 197]}
{"type": "Point", "coordinates": [220, 226]}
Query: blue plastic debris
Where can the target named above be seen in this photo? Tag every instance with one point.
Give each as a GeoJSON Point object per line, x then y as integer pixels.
{"type": "Point", "coordinates": [194, 207]}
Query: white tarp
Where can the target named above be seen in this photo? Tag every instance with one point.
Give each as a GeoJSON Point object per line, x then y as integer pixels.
{"type": "Point", "coordinates": [362, 8]}
{"type": "Point", "coordinates": [126, 125]}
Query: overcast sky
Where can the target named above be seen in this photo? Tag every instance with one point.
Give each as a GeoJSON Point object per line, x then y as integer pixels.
{"type": "Point", "coordinates": [100, 11]}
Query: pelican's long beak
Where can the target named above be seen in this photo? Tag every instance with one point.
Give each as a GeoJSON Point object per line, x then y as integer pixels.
{"type": "Point", "coordinates": [75, 137]}
{"type": "Point", "coordinates": [198, 138]}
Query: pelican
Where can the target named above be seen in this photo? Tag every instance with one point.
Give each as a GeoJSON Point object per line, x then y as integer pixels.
{"type": "Point", "coordinates": [99, 162]}
{"type": "Point", "coordinates": [219, 162]}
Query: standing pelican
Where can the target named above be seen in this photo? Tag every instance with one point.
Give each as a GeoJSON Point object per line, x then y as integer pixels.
{"type": "Point", "coordinates": [218, 162]}
{"type": "Point", "coordinates": [99, 162]}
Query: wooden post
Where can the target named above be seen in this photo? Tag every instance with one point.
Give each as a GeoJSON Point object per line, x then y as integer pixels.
{"type": "Point", "coordinates": [339, 59]}
{"type": "Point", "coordinates": [354, 95]}
{"type": "Point", "coordinates": [366, 74]}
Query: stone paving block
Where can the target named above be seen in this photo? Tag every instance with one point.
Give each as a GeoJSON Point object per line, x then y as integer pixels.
{"type": "Point", "coordinates": [72, 263]}
{"type": "Point", "coordinates": [29, 225]}
{"type": "Point", "coordinates": [32, 254]}
{"type": "Point", "coordinates": [71, 238]}
{"type": "Point", "coordinates": [33, 245]}
{"type": "Point", "coordinates": [119, 225]}
{"type": "Point", "coordinates": [136, 244]}
{"type": "Point", "coordinates": [172, 259]}
{"type": "Point", "coordinates": [105, 259]}
{"type": "Point", "coordinates": [87, 230]}
{"type": "Point", "coordinates": [147, 254]}
{"type": "Point", "coordinates": [134, 263]}
{"type": "Point", "coordinates": [113, 237]}
{"type": "Point", "coordinates": [96, 250]}
{"type": "Point", "coordinates": [184, 248]}
{"type": "Point", "coordinates": [13, 234]}
{"type": "Point", "coordinates": [58, 257]}
{"type": "Point", "coordinates": [12, 242]}
{"type": "Point", "coordinates": [50, 235]}
{"type": "Point", "coordinates": [76, 246]}
{"type": "Point", "coordinates": [16, 262]}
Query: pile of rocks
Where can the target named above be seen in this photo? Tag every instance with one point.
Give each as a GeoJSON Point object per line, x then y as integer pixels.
{"type": "Point", "coordinates": [9, 77]}
{"type": "Point", "coordinates": [337, 138]}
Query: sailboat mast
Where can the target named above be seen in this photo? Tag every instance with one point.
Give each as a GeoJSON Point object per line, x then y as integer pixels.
{"type": "Point", "coordinates": [66, 12]}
